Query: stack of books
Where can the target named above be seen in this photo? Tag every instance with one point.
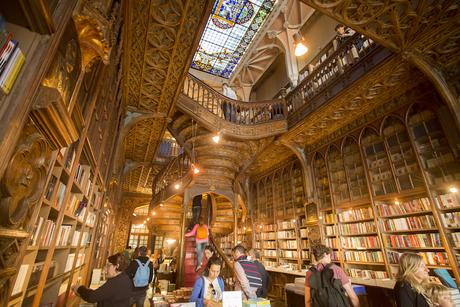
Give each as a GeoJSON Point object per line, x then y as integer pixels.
{"type": "Point", "coordinates": [11, 59]}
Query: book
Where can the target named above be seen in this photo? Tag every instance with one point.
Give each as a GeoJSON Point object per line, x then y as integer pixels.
{"type": "Point", "coordinates": [20, 279]}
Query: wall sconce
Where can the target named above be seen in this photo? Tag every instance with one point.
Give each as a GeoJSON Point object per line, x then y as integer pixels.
{"type": "Point", "coordinates": [300, 48]}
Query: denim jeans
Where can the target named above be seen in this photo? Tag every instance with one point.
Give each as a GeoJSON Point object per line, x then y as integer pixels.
{"type": "Point", "coordinates": [199, 251]}
{"type": "Point", "coordinates": [138, 298]}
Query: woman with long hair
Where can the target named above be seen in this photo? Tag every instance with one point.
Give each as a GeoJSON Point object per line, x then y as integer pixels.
{"type": "Point", "coordinates": [411, 278]}
{"type": "Point", "coordinates": [209, 287]}
{"type": "Point", "coordinates": [117, 290]}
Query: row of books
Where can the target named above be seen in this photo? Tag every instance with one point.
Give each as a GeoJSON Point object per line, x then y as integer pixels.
{"type": "Point", "coordinates": [71, 259]}
{"type": "Point", "coordinates": [11, 59]}
{"type": "Point", "coordinates": [328, 218]}
{"type": "Point", "coordinates": [451, 219]}
{"type": "Point", "coordinates": [269, 244]}
{"type": "Point", "coordinates": [288, 253]}
{"type": "Point", "coordinates": [286, 225]}
{"type": "Point", "coordinates": [416, 205]}
{"type": "Point", "coordinates": [449, 200]}
{"type": "Point", "coordinates": [409, 223]}
{"type": "Point", "coordinates": [286, 234]}
{"type": "Point", "coordinates": [367, 274]}
{"type": "Point", "coordinates": [360, 242]}
{"type": "Point", "coordinates": [270, 264]}
{"type": "Point", "coordinates": [48, 227]}
{"type": "Point", "coordinates": [455, 238]}
{"type": "Point", "coordinates": [85, 238]}
{"type": "Point", "coordinates": [363, 256]}
{"type": "Point", "coordinates": [415, 240]}
{"type": "Point", "coordinates": [269, 252]}
{"type": "Point", "coordinates": [287, 244]}
{"type": "Point", "coordinates": [358, 228]}
{"type": "Point", "coordinates": [269, 236]}
{"type": "Point", "coordinates": [355, 214]}
{"type": "Point", "coordinates": [83, 177]}
{"type": "Point", "coordinates": [269, 227]}
{"type": "Point", "coordinates": [430, 258]}
{"type": "Point", "coordinates": [331, 242]}
{"type": "Point", "coordinates": [305, 255]}
{"type": "Point", "coordinates": [330, 230]}
{"type": "Point", "coordinates": [63, 235]}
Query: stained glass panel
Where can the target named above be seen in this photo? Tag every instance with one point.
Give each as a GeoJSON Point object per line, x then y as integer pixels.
{"type": "Point", "coordinates": [229, 31]}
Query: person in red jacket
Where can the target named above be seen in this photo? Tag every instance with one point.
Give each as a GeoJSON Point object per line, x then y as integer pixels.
{"type": "Point", "coordinates": [201, 233]}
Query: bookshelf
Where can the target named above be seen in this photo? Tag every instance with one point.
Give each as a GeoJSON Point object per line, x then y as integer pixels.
{"type": "Point", "coordinates": [66, 234]}
{"type": "Point", "coordinates": [268, 244]}
{"type": "Point", "coordinates": [387, 188]}
{"type": "Point", "coordinates": [288, 244]}
{"type": "Point", "coordinates": [322, 182]}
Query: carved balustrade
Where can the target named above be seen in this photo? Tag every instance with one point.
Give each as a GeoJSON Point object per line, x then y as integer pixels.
{"type": "Point", "coordinates": [333, 61]}
{"type": "Point", "coordinates": [235, 111]}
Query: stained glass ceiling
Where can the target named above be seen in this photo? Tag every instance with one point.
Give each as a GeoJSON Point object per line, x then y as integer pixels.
{"type": "Point", "coordinates": [229, 31]}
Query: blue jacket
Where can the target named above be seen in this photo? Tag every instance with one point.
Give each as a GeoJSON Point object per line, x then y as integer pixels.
{"type": "Point", "coordinates": [197, 292]}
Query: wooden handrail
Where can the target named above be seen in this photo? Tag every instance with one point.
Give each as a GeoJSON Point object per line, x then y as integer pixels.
{"type": "Point", "coordinates": [335, 64]}
{"type": "Point", "coordinates": [235, 111]}
{"type": "Point", "coordinates": [177, 168]}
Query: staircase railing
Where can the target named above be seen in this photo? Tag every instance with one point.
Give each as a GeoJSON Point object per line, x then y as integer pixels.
{"type": "Point", "coordinates": [234, 111]}
{"type": "Point", "coordinates": [227, 271]}
{"type": "Point", "coordinates": [176, 171]}
{"type": "Point", "coordinates": [326, 67]}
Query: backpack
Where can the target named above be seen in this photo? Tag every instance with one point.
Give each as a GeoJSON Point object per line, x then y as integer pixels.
{"type": "Point", "coordinates": [141, 279]}
{"type": "Point", "coordinates": [201, 232]}
{"type": "Point", "coordinates": [325, 290]}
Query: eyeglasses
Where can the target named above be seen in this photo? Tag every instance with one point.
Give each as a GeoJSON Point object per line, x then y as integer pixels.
{"type": "Point", "coordinates": [212, 288]}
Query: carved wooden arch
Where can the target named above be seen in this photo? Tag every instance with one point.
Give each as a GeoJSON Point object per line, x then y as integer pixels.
{"type": "Point", "coordinates": [421, 106]}
{"type": "Point", "coordinates": [388, 118]}
{"type": "Point", "coordinates": [363, 132]}
{"type": "Point", "coordinates": [347, 138]}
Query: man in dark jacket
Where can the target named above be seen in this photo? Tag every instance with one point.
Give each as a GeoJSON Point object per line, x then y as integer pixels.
{"type": "Point", "coordinates": [139, 292]}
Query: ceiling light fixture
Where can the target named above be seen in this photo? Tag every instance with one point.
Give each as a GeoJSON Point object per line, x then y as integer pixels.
{"type": "Point", "coordinates": [299, 43]}
{"type": "Point", "coordinates": [216, 138]}
{"type": "Point", "coordinates": [453, 190]}
{"type": "Point", "coordinates": [154, 213]}
{"type": "Point", "coordinates": [177, 186]}
{"type": "Point", "coordinates": [195, 169]}
{"type": "Point", "coordinates": [161, 205]}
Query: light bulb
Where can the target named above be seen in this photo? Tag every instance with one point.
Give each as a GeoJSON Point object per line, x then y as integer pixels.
{"type": "Point", "coordinates": [177, 186]}
{"type": "Point", "coordinates": [300, 49]}
{"type": "Point", "coordinates": [134, 214]}
{"type": "Point", "coordinates": [154, 213]}
{"type": "Point", "coordinates": [196, 170]}
{"type": "Point", "coordinates": [453, 190]}
{"type": "Point", "coordinates": [161, 205]}
{"type": "Point", "coordinates": [397, 202]}
{"type": "Point", "coordinates": [216, 138]}
{"type": "Point", "coordinates": [148, 219]}
{"type": "Point", "coordinates": [145, 222]}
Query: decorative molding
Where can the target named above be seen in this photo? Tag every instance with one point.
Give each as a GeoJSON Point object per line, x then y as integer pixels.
{"type": "Point", "coordinates": [52, 118]}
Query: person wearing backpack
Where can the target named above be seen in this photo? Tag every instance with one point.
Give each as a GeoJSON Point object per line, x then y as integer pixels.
{"type": "Point", "coordinates": [201, 233]}
{"type": "Point", "coordinates": [326, 284]}
{"type": "Point", "coordinates": [208, 288]}
{"type": "Point", "coordinates": [140, 270]}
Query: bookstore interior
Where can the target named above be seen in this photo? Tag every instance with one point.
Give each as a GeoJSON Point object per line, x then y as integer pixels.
{"type": "Point", "coordinates": [280, 124]}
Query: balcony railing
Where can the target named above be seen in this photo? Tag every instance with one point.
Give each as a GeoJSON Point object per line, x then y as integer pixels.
{"type": "Point", "coordinates": [333, 63]}
{"type": "Point", "coordinates": [234, 111]}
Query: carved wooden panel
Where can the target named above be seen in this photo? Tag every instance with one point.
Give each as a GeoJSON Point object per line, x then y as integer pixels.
{"type": "Point", "coordinates": [20, 190]}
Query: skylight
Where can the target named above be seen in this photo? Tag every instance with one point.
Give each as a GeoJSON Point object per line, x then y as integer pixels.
{"type": "Point", "coordinates": [229, 31]}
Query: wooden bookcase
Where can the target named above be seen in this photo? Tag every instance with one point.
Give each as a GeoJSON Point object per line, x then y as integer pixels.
{"type": "Point", "coordinates": [384, 189]}
{"type": "Point", "coordinates": [72, 223]}
{"type": "Point", "coordinates": [289, 244]}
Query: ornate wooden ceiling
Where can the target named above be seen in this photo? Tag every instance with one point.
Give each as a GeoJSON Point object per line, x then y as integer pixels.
{"type": "Point", "coordinates": [160, 37]}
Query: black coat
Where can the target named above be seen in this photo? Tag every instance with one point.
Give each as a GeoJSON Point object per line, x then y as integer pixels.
{"type": "Point", "coordinates": [116, 292]}
{"type": "Point", "coordinates": [406, 296]}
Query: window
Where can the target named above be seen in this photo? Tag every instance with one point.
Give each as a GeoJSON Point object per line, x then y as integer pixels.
{"type": "Point", "coordinates": [138, 236]}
